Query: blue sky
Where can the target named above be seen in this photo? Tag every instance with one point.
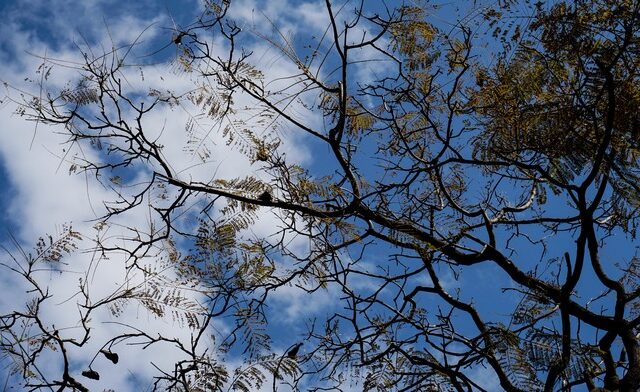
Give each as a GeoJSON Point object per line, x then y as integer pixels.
{"type": "Point", "coordinates": [39, 194]}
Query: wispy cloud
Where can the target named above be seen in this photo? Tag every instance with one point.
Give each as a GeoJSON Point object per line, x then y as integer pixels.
{"type": "Point", "coordinates": [46, 194]}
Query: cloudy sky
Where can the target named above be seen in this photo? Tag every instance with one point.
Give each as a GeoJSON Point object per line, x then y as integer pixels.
{"type": "Point", "coordinates": [40, 194]}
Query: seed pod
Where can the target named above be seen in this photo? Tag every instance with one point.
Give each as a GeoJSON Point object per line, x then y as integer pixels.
{"type": "Point", "coordinates": [294, 351]}
{"type": "Point", "coordinates": [92, 374]}
{"type": "Point", "coordinates": [113, 357]}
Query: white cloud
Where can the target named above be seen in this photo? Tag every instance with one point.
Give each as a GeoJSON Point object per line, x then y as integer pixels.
{"type": "Point", "coordinates": [46, 195]}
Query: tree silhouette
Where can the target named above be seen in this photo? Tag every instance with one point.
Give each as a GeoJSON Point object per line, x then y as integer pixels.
{"type": "Point", "coordinates": [498, 152]}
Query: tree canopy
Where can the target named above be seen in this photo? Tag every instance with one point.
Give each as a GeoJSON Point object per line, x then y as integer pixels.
{"type": "Point", "coordinates": [465, 186]}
